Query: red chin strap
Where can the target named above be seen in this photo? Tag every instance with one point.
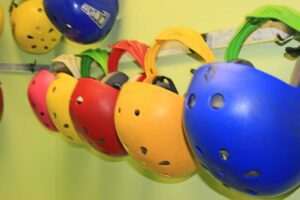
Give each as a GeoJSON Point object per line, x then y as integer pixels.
{"type": "Point", "coordinates": [137, 49]}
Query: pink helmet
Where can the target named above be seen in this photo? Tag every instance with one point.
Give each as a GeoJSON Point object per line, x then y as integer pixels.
{"type": "Point", "coordinates": [37, 91]}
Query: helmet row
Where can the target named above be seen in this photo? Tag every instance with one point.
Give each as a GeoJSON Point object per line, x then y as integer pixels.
{"type": "Point", "coordinates": [240, 123]}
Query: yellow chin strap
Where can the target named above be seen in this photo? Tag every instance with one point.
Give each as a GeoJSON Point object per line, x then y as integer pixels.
{"type": "Point", "coordinates": [188, 37]}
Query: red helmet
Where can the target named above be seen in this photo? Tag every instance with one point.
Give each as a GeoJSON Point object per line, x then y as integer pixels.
{"type": "Point", "coordinates": [93, 102]}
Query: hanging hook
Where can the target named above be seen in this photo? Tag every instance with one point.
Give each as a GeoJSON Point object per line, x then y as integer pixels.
{"type": "Point", "coordinates": [31, 66]}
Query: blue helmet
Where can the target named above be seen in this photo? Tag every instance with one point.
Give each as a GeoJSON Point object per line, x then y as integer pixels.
{"type": "Point", "coordinates": [82, 21]}
{"type": "Point", "coordinates": [243, 124]}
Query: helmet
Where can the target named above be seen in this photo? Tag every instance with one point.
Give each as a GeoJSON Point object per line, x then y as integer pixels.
{"type": "Point", "coordinates": [148, 115]}
{"type": "Point", "coordinates": [37, 91]}
{"type": "Point", "coordinates": [58, 101]}
{"type": "Point", "coordinates": [242, 123]}
{"type": "Point", "coordinates": [69, 64]}
{"type": "Point", "coordinates": [31, 28]}
{"type": "Point", "coordinates": [1, 19]}
{"type": "Point", "coordinates": [86, 20]}
{"type": "Point", "coordinates": [93, 102]}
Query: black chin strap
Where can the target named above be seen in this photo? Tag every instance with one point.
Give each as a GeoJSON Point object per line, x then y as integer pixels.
{"type": "Point", "coordinates": [165, 82]}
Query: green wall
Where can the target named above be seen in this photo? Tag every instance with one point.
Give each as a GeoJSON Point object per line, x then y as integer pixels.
{"type": "Point", "coordinates": [36, 164]}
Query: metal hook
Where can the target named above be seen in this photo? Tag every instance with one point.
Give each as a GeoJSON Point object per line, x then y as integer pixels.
{"type": "Point", "coordinates": [31, 66]}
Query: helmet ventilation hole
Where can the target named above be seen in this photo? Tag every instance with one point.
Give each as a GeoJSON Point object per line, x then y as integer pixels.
{"type": "Point", "coordinates": [164, 163]}
{"type": "Point", "coordinates": [54, 115]}
{"type": "Point", "coordinates": [34, 46]}
{"type": "Point", "coordinates": [40, 10]}
{"type": "Point", "coordinates": [199, 151]}
{"type": "Point", "coordinates": [69, 26]}
{"type": "Point", "coordinates": [192, 101]}
{"type": "Point", "coordinates": [119, 110]}
{"type": "Point", "coordinates": [210, 73]}
{"type": "Point", "coordinates": [252, 173]}
{"type": "Point", "coordinates": [79, 100]}
{"type": "Point", "coordinates": [51, 30]}
{"type": "Point", "coordinates": [30, 37]}
{"type": "Point", "coordinates": [101, 141]}
{"type": "Point", "coordinates": [144, 150]}
{"type": "Point", "coordinates": [53, 39]}
{"type": "Point", "coordinates": [217, 101]}
{"type": "Point", "coordinates": [46, 47]}
{"type": "Point", "coordinates": [53, 89]}
{"type": "Point", "coordinates": [224, 154]}
{"type": "Point", "coordinates": [42, 113]}
{"type": "Point", "coordinates": [225, 185]}
{"type": "Point", "coordinates": [66, 125]}
{"type": "Point", "coordinates": [137, 112]}
{"type": "Point", "coordinates": [151, 70]}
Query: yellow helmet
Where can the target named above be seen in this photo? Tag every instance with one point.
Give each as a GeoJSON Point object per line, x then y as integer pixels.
{"type": "Point", "coordinates": [32, 30]}
{"type": "Point", "coordinates": [67, 63]}
{"type": "Point", "coordinates": [148, 118]}
{"type": "Point", "coordinates": [1, 19]}
{"type": "Point", "coordinates": [58, 101]}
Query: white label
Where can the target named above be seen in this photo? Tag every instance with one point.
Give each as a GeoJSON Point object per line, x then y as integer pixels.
{"type": "Point", "coordinates": [99, 17]}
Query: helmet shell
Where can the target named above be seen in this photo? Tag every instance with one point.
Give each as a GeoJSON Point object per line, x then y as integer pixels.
{"type": "Point", "coordinates": [92, 108]}
{"type": "Point", "coordinates": [86, 21]}
{"type": "Point", "coordinates": [32, 30]}
{"type": "Point", "coordinates": [58, 101]}
{"type": "Point", "coordinates": [36, 93]}
{"type": "Point", "coordinates": [243, 125]}
{"type": "Point", "coordinates": [146, 118]}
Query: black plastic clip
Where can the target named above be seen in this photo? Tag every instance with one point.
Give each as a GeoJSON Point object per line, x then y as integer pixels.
{"type": "Point", "coordinates": [283, 41]}
{"type": "Point", "coordinates": [293, 52]}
